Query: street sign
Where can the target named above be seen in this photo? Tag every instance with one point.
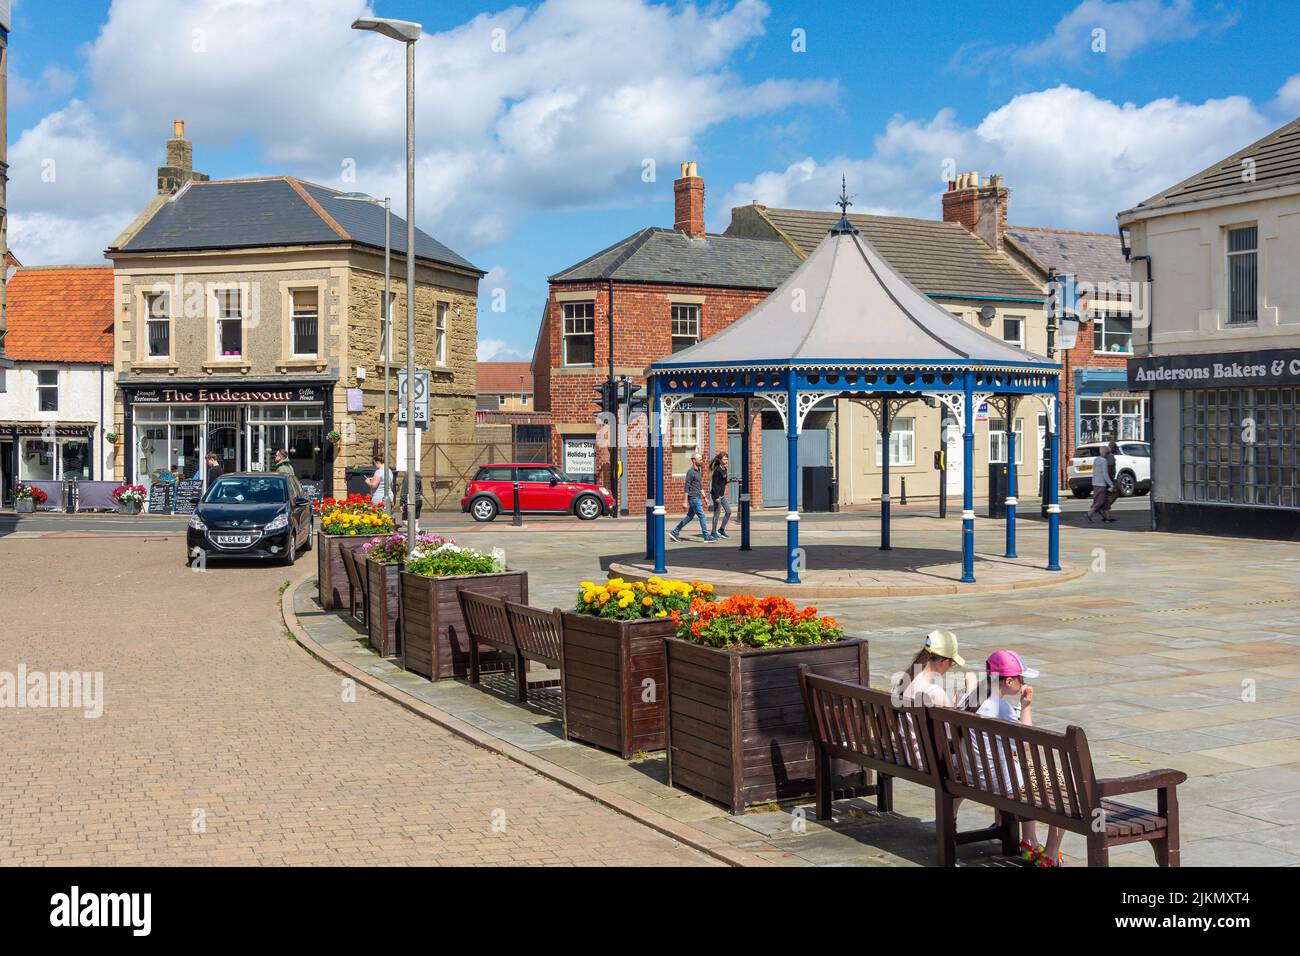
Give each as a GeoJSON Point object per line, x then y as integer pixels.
{"type": "Point", "coordinates": [421, 397]}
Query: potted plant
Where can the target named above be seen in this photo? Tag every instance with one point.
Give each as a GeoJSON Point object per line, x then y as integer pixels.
{"type": "Point", "coordinates": [334, 436]}
{"type": "Point", "coordinates": [737, 732]}
{"type": "Point", "coordinates": [344, 523]}
{"type": "Point", "coordinates": [430, 609]}
{"type": "Point", "coordinates": [614, 660]}
{"type": "Point", "coordinates": [386, 556]}
{"type": "Point", "coordinates": [27, 498]}
{"type": "Point", "coordinates": [113, 438]}
{"type": "Point", "coordinates": [129, 498]}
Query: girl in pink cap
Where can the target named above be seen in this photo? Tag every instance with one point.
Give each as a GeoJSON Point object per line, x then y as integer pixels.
{"type": "Point", "coordinates": [1005, 678]}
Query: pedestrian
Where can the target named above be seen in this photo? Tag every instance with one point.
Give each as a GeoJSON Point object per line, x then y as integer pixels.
{"type": "Point", "coordinates": [694, 500]}
{"type": "Point", "coordinates": [419, 498]}
{"type": "Point", "coordinates": [1114, 480]}
{"type": "Point", "coordinates": [282, 463]}
{"type": "Point", "coordinates": [214, 468]}
{"type": "Point", "coordinates": [379, 483]}
{"type": "Point", "coordinates": [1102, 482]}
{"type": "Point", "coordinates": [923, 683]}
{"type": "Point", "coordinates": [718, 482]}
{"type": "Point", "coordinates": [1006, 678]}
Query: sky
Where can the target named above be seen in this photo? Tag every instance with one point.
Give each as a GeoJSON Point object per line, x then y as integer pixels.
{"type": "Point", "coordinates": [548, 131]}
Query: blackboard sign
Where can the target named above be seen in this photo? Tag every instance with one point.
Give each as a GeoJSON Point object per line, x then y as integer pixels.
{"type": "Point", "coordinates": [188, 493]}
{"type": "Point", "coordinates": [313, 490]}
{"type": "Point", "coordinates": [160, 498]}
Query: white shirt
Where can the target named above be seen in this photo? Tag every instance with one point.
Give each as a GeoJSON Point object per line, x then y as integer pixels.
{"type": "Point", "coordinates": [379, 496]}
{"type": "Point", "coordinates": [1101, 472]}
{"type": "Point", "coordinates": [923, 691]}
{"type": "Point", "coordinates": [998, 708]}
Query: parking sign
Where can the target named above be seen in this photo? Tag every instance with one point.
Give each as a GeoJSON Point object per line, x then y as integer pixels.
{"type": "Point", "coordinates": [421, 397]}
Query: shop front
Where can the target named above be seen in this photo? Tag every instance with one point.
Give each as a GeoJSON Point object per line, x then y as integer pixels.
{"type": "Point", "coordinates": [171, 429]}
{"type": "Point", "coordinates": [35, 452]}
{"type": "Point", "coordinates": [1106, 409]}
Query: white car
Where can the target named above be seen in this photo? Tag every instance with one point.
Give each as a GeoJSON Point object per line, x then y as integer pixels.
{"type": "Point", "coordinates": [1132, 468]}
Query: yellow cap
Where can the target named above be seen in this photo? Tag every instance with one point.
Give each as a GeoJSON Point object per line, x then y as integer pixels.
{"type": "Point", "coordinates": [944, 643]}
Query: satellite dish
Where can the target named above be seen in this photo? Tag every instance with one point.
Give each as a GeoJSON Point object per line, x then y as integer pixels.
{"type": "Point", "coordinates": [987, 313]}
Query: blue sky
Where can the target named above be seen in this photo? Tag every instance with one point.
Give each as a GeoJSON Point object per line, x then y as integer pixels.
{"type": "Point", "coordinates": [532, 156]}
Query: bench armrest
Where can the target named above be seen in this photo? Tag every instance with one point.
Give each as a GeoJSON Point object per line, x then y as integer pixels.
{"type": "Point", "coordinates": [1151, 780]}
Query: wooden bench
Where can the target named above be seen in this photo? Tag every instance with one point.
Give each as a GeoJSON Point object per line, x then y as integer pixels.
{"type": "Point", "coordinates": [1023, 773]}
{"type": "Point", "coordinates": [526, 633]}
{"type": "Point", "coordinates": [357, 583]}
{"type": "Point", "coordinates": [862, 726]}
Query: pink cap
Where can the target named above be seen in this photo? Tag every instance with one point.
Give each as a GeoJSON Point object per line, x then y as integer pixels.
{"type": "Point", "coordinates": [1008, 664]}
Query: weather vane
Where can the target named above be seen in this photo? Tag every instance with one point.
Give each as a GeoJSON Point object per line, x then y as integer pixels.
{"type": "Point", "coordinates": [843, 202]}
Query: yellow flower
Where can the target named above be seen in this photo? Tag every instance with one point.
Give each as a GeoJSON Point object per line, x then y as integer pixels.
{"type": "Point", "coordinates": [604, 597]}
{"type": "Point", "coordinates": [647, 602]}
{"type": "Point", "coordinates": [624, 602]}
{"type": "Point", "coordinates": [662, 614]}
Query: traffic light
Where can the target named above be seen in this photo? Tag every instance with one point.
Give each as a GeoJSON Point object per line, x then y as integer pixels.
{"type": "Point", "coordinates": [605, 401]}
{"type": "Point", "coordinates": [626, 387]}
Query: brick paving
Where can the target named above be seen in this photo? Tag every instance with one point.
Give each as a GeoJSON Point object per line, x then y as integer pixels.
{"type": "Point", "coordinates": [222, 741]}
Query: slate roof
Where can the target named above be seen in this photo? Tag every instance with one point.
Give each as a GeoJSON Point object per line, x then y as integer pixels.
{"type": "Point", "coordinates": [663, 255]}
{"type": "Point", "coordinates": [61, 314]}
{"type": "Point", "coordinates": [1276, 160]}
{"type": "Point", "coordinates": [1091, 256]}
{"type": "Point", "coordinates": [509, 377]}
{"type": "Point", "coordinates": [846, 304]}
{"type": "Point", "coordinates": [939, 258]}
{"type": "Point", "coordinates": [280, 211]}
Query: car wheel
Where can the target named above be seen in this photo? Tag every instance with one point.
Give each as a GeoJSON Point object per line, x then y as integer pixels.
{"type": "Point", "coordinates": [484, 509]}
{"type": "Point", "coordinates": [1127, 484]}
{"type": "Point", "coordinates": [307, 540]}
{"type": "Point", "coordinates": [291, 555]}
{"type": "Point", "coordinates": [587, 508]}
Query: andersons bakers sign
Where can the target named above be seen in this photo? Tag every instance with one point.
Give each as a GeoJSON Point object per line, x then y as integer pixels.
{"type": "Point", "coordinates": [1223, 370]}
{"type": "Point", "coordinates": [226, 396]}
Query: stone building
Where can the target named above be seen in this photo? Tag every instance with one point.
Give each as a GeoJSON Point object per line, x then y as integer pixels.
{"type": "Point", "coordinates": [249, 316]}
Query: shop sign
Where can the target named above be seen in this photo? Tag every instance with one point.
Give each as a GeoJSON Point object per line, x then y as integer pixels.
{"type": "Point", "coordinates": [225, 395]}
{"type": "Point", "coordinates": [580, 456]}
{"type": "Point", "coordinates": [44, 430]}
{"type": "Point", "coordinates": [1224, 370]}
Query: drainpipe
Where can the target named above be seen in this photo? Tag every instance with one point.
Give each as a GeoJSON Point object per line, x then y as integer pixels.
{"type": "Point", "coordinates": [613, 426]}
{"type": "Point", "coordinates": [99, 452]}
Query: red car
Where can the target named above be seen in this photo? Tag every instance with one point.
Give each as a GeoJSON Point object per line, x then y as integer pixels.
{"type": "Point", "coordinates": [543, 489]}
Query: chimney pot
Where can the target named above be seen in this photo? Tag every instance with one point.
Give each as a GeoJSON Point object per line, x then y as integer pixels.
{"type": "Point", "coordinates": [178, 129]}
{"type": "Point", "coordinates": [982, 210]}
{"type": "Point", "coordinates": [688, 202]}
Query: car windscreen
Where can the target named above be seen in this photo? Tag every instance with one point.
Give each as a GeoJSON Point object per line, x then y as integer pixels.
{"type": "Point", "coordinates": [247, 491]}
{"type": "Point", "coordinates": [1087, 451]}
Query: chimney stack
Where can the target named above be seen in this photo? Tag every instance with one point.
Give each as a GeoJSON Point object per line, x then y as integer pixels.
{"type": "Point", "coordinates": [179, 169]}
{"type": "Point", "coordinates": [981, 209]}
{"type": "Point", "coordinates": [688, 196]}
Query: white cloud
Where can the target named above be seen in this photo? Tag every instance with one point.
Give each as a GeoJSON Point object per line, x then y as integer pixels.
{"type": "Point", "coordinates": [1287, 102]}
{"type": "Point", "coordinates": [498, 350]}
{"type": "Point", "coordinates": [1072, 159]}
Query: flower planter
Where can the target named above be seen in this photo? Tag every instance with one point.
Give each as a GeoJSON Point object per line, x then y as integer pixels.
{"type": "Point", "coordinates": [429, 608]}
{"type": "Point", "coordinates": [607, 700]}
{"type": "Point", "coordinates": [383, 603]}
{"type": "Point", "coordinates": [25, 506]}
{"type": "Point", "coordinates": [737, 731]}
{"type": "Point", "coordinates": [331, 576]}
{"type": "Point", "coordinates": [128, 507]}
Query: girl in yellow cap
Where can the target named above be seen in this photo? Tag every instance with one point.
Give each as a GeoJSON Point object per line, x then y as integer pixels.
{"type": "Point", "coordinates": [922, 684]}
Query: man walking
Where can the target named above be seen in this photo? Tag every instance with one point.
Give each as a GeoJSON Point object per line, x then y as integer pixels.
{"type": "Point", "coordinates": [1102, 482]}
{"type": "Point", "coordinates": [694, 501]}
{"type": "Point", "coordinates": [419, 498]}
{"type": "Point", "coordinates": [214, 469]}
{"type": "Point", "coordinates": [282, 463]}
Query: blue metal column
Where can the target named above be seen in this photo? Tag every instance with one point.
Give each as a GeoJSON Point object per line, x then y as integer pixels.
{"type": "Point", "coordinates": [744, 479]}
{"type": "Point", "coordinates": [1054, 488]}
{"type": "Point", "coordinates": [1011, 476]}
{"type": "Point", "coordinates": [792, 515]}
{"type": "Point", "coordinates": [656, 426]}
{"type": "Point", "coordinates": [651, 444]}
{"type": "Point", "coordinates": [968, 484]}
{"type": "Point", "coordinates": [885, 431]}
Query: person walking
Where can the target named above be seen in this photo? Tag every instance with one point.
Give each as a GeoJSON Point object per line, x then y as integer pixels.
{"type": "Point", "coordinates": [379, 483]}
{"type": "Point", "coordinates": [282, 463]}
{"type": "Point", "coordinates": [1102, 482]}
{"type": "Point", "coordinates": [419, 498]}
{"type": "Point", "coordinates": [718, 482]}
{"type": "Point", "coordinates": [694, 501]}
{"type": "Point", "coordinates": [214, 469]}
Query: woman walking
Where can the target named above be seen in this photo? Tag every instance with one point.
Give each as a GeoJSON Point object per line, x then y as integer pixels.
{"type": "Point", "coordinates": [718, 491]}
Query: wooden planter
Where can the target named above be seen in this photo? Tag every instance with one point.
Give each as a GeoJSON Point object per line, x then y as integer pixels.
{"type": "Point", "coordinates": [331, 576]}
{"type": "Point", "coordinates": [737, 731]}
{"type": "Point", "coordinates": [606, 666]}
{"type": "Point", "coordinates": [383, 603]}
{"type": "Point", "coordinates": [429, 607]}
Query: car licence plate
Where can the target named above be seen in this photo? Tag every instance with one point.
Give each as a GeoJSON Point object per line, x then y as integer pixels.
{"type": "Point", "coordinates": [234, 539]}
{"type": "Point", "coordinates": [1087, 467]}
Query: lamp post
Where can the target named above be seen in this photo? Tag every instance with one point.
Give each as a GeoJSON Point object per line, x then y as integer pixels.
{"type": "Point", "coordinates": [386, 313]}
{"type": "Point", "coordinates": [406, 32]}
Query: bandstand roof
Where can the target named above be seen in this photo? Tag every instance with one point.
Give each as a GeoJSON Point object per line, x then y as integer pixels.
{"type": "Point", "coordinates": [845, 306]}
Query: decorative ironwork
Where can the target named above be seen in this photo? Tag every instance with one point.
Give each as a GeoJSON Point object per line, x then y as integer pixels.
{"type": "Point", "coordinates": [1005, 406]}
{"type": "Point", "coordinates": [1049, 403]}
{"type": "Point", "coordinates": [781, 402]}
{"type": "Point", "coordinates": [955, 402]}
{"type": "Point", "coordinates": [805, 401]}
{"type": "Point", "coordinates": [670, 403]}
{"type": "Point", "coordinates": [876, 406]}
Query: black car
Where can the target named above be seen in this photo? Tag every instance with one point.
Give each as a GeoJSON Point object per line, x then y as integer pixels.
{"type": "Point", "coordinates": [251, 515]}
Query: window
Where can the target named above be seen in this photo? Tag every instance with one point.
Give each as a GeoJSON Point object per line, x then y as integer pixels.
{"type": "Point", "coordinates": [494, 474]}
{"type": "Point", "coordinates": [47, 390]}
{"type": "Point", "coordinates": [230, 324]}
{"type": "Point", "coordinates": [685, 439]}
{"type": "Point", "coordinates": [998, 441]}
{"type": "Point", "coordinates": [306, 314]}
{"type": "Point", "coordinates": [1013, 330]}
{"type": "Point", "coordinates": [158, 324]}
{"type": "Point", "coordinates": [1243, 275]}
{"type": "Point", "coordinates": [1112, 332]}
{"type": "Point", "coordinates": [579, 333]}
{"type": "Point", "coordinates": [501, 400]}
{"type": "Point", "coordinates": [1219, 466]}
{"type": "Point", "coordinates": [902, 442]}
{"type": "Point", "coordinates": [536, 473]}
{"type": "Point", "coordinates": [686, 326]}
{"type": "Point", "coordinates": [1112, 419]}
{"type": "Point", "coordinates": [440, 335]}
{"type": "Point", "coordinates": [523, 399]}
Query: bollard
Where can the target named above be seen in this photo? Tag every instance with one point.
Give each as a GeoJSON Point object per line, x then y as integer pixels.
{"type": "Point", "coordinates": [517, 519]}
{"type": "Point", "coordinates": [902, 499]}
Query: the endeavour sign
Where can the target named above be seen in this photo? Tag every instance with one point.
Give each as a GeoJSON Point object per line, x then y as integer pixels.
{"type": "Point", "coordinates": [223, 395]}
{"type": "Point", "coordinates": [1221, 370]}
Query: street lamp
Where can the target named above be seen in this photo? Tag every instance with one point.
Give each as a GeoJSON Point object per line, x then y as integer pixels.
{"type": "Point", "coordinates": [406, 32]}
{"type": "Point", "coordinates": [386, 311]}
